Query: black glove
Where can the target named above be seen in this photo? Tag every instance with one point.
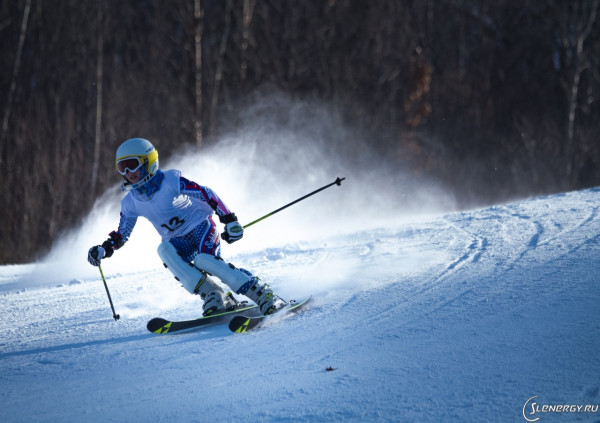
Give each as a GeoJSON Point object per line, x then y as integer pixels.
{"type": "Point", "coordinates": [108, 247]}
{"type": "Point", "coordinates": [95, 255]}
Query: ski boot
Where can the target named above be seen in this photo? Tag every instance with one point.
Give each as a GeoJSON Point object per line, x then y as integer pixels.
{"type": "Point", "coordinates": [217, 301]}
{"type": "Point", "coordinates": [262, 294]}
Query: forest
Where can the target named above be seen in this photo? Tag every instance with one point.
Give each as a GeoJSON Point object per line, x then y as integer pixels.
{"type": "Point", "coordinates": [494, 99]}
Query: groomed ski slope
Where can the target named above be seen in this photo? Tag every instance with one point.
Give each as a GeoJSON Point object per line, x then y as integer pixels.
{"type": "Point", "coordinates": [457, 317]}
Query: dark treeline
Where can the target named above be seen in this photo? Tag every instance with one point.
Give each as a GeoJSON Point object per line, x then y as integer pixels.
{"type": "Point", "coordinates": [493, 98]}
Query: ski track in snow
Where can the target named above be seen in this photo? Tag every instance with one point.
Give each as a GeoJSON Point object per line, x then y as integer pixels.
{"type": "Point", "coordinates": [462, 317]}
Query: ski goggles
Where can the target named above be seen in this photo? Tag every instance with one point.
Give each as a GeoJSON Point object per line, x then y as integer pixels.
{"type": "Point", "coordinates": [129, 164]}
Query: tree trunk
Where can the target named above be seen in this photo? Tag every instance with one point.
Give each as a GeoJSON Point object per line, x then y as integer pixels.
{"type": "Point", "coordinates": [13, 82]}
{"type": "Point", "coordinates": [198, 28]}
{"type": "Point", "coordinates": [99, 70]}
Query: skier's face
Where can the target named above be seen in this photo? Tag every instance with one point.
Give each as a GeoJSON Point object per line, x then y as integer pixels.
{"type": "Point", "coordinates": [133, 177]}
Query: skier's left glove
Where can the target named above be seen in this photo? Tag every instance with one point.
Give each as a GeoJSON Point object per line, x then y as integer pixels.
{"type": "Point", "coordinates": [233, 230]}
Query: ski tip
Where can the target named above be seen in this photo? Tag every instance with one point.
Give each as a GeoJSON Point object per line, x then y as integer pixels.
{"type": "Point", "coordinates": [239, 324]}
{"type": "Point", "coordinates": [158, 325]}
{"type": "Point", "coordinates": [297, 303]}
{"type": "Point", "coordinates": [244, 326]}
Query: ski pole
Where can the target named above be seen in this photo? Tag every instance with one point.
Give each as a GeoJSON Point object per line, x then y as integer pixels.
{"type": "Point", "coordinates": [115, 315]}
{"type": "Point", "coordinates": [337, 182]}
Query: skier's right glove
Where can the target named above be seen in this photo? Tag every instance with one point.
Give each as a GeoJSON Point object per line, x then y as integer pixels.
{"type": "Point", "coordinates": [108, 247]}
{"type": "Point", "coordinates": [95, 255]}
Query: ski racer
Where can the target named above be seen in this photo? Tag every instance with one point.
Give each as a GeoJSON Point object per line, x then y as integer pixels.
{"type": "Point", "coordinates": [181, 211]}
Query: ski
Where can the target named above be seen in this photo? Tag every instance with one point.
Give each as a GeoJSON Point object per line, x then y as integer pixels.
{"type": "Point", "coordinates": [243, 323]}
{"type": "Point", "coordinates": [161, 326]}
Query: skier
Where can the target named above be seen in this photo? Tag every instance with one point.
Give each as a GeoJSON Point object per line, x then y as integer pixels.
{"type": "Point", "coordinates": [181, 211]}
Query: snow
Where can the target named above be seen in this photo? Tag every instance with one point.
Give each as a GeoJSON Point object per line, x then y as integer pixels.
{"type": "Point", "coordinates": [459, 316]}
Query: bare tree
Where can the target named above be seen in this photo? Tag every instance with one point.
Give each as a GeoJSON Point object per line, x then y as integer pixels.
{"type": "Point", "coordinates": [246, 20]}
{"type": "Point", "coordinates": [99, 72]}
{"type": "Point", "coordinates": [577, 19]}
{"type": "Point", "coordinates": [198, 29]}
{"type": "Point", "coordinates": [15, 75]}
{"type": "Point", "coordinates": [219, 68]}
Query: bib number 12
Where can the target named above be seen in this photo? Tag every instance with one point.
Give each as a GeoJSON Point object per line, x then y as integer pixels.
{"type": "Point", "coordinates": [174, 223]}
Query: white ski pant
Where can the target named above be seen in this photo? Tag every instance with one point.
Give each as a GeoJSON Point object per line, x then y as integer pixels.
{"type": "Point", "coordinates": [190, 275]}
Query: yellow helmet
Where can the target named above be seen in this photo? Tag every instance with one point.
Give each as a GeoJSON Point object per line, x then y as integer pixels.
{"type": "Point", "coordinates": [134, 154]}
